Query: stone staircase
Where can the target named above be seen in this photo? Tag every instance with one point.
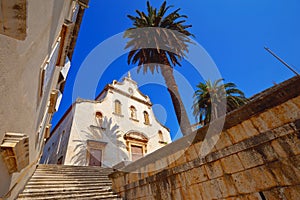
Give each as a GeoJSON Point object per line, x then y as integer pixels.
{"type": "Point", "coordinates": [69, 182]}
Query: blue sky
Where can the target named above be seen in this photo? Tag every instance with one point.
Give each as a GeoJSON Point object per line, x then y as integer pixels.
{"type": "Point", "coordinates": [233, 33]}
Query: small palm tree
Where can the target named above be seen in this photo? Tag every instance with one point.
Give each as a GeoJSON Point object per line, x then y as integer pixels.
{"type": "Point", "coordinates": [217, 93]}
{"type": "Point", "coordinates": [159, 41]}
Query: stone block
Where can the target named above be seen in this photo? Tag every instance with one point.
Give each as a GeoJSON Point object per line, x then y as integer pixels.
{"type": "Point", "coordinates": [214, 156]}
{"type": "Point", "coordinates": [198, 146]}
{"type": "Point", "coordinates": [253, 196]}
{"type": "Point", "coordinates": [274, 194]}
{"type": "Point", "coordinates": [259, 124]}
{"type": "Point", "coordinates": [287, 112]}
{"type": "Point", "coordinates": [185, 193]}
{"type": "Point", "coordinates": [180, 158]}
{"type": "Point", "coordinates": [278, 149]}
{"type": "Point", "coordinates": [233, 198]}
{"type": "Point", "coordinates": [271, 119]}
{"type": "Point", "coordinates": [263, 178]}
{"type": "Point", "coordinates": [267, 152]}
{"type": "Point", "coordinates": [249, 128]}
{"type": "Point", "coordinates": [295, 163]}
{"type": "Point", "coordinates": [211, 190]}
{"type": "Point", "coordinates": [296, 101]}
{"type": "Point", "coordinates": [214, 169]}
{"type": "Point", "coordinates": [231, 164]}
{"type": "Point", "coordinates": [171, 161]}
{"type": "Point", "coordinates": [226, 186]}
{"type": "Point", "coordinates": [194, 191]}
{"type": "Point", "coordinates": [224, 141]}
{"type": "Point", "coordinates": [175, 181]}
{"type": "Point", "coordinates": [190, 153]}
{"type": "Point", "coordinates": [164, 189]}
{"type": "Point", "coordinates": [143, 172]}
{"type": "Point", "coordinates": [205, 195]}
{"type": "Point", "coordinates": [250, 158]}
{"type": "Point", "coordinates": [161, 164]}
{"type": "Point", "coordinates": [292, 192]}
{"type": "Point", "coordinates": [133, 177]}
{"type": "Point", "coordinates": [244, 182]}
{"type": "Point", "coordinates": [284, 173]}
{"type": "Point", "coordinates": [283, 130]}
{"type": "Point", "coordinates": [196, 175]}
{"type": "Point", "coordinates": [290, 143]}
{"type": "Point", "coordinates": [151, 168]}
{"type": "Point", "coordinates": [176, 194]}
{"type": "Point", "coordinates": [237, 133]}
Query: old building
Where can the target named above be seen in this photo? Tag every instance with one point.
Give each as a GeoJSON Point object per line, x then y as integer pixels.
{"type": "Point", "coordinates": [37, 39]}
{"type": "Point", "coordinates": [118, 126]}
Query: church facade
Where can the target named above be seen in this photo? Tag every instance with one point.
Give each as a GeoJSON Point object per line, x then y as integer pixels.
{"type": "Point", "coordinates": [118, 126]}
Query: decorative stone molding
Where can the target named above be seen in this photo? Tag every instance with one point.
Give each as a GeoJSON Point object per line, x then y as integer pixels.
{"type": "Point", "coordinates": [52, 102]}
{"type": "Point", "coordinates": [15, 151]}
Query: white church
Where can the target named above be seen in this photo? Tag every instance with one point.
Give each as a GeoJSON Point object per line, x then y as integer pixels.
{"type": "Point", "coordinates": [118, 126]}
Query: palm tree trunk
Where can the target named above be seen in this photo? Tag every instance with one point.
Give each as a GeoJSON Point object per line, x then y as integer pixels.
{"type": "Point", "coordinates": [182, 118]}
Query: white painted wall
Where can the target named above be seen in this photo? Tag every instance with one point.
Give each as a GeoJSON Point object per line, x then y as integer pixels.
{"type": "Point", "coordinates": [21, 108]}
{"type": "Point", "coordinates": [85, 126]}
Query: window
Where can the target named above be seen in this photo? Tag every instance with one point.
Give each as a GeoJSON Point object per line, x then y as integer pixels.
{"type": "Point", "coordinates": [160, 136]}
{"type": "Point", "coordinates": [136, 144]}
{"type": "Point", "coordinates": [99, 118]}
{"type": "Point", "coordinates": [132, 112]}
{"type": "Point", "coordinates": [98, 115]}
{"type": "Point", "coordinates": [118, 107]}
{"type": "Point", "coordinates": [146, 117]}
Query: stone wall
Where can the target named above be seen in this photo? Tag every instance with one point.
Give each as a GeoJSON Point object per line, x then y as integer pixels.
{"type": "Point", "coordinates": [256, 157]}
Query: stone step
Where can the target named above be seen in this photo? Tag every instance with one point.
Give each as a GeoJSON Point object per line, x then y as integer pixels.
{"type": "Point", "coordinates": [79, 177]}
{"type": "Point", "coordinates": [56, 182]}
{"type": "Point", "coordinates": [74, 173]}
{"type": "Point", "coordinates": [67, 167]}
{"type": "Point", "coordinates": [75, 169]}
{"type": "Point", "coordinates": [71, 174]}
{"type": "Point", "coordinates": [69, 185]}
{"type": "Point", "coordinates": [69, 182]}
{"type": "Point", "coordinates": [66, 193]}
{"type": "Point", "coordinates": [70, 196]}
{"type": "Point", "coordinates": [57, 179]}
{"type": "Point", "coordinates": [63, 189]}
{"type": "Point", "coordinates": [58, 190]}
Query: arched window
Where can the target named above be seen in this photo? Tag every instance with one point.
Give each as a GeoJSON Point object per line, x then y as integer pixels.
{"type": "Point", "coordinates": [146, 118]}
{"type": "Point", "coordinates": [118, 107]}
{"type": "Point", "coordinates": [132, 112]}
{"type": "Point", "coordinates": [160, 136]}
{"type": "Point", "coordinates": [99, 115]}
{"type": "Point", "coordinates": [99, 118]}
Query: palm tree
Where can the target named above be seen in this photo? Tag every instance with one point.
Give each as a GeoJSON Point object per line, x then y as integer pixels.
{"type": "Point", "coordinates": [217, 93]}
{"type": "Point", "coordinates": [159, 41]}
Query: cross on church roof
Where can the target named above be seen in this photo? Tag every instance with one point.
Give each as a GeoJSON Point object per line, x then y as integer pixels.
{"type": "Point", "coordinates": [129, 75]}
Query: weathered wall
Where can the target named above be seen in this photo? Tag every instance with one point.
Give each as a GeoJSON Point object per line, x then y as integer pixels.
{"type": "Point", "coordinates": [56, 146]}
{"type": "Point", "coordinates": [23, 109]}
{"type": "Point", "coordinates": [256, 157]}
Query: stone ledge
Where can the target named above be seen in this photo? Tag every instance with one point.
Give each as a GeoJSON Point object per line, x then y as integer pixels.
{"type": "Point", "coordinates": [265, 100]}
{"type": "Point", "coordinates": [215, 156]}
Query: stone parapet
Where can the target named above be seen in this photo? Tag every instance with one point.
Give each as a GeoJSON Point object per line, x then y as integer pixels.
{"type": "Point", "coordinates": [256, 156]}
